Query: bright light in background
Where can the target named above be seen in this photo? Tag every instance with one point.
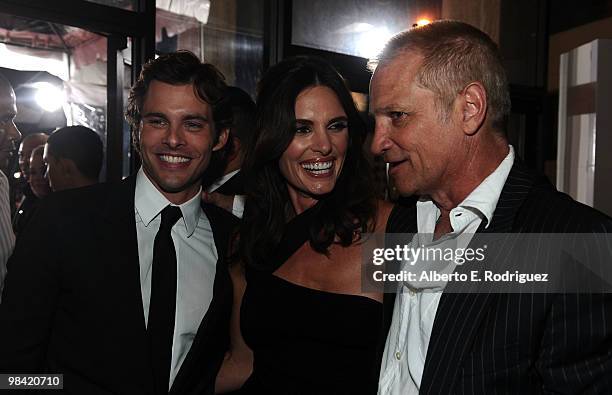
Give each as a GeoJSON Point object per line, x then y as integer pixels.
{"type": "Point", "coordinates": [48, 96]}
{"type": "Point", "coordinates": [372, 41]}
{"type": "Point", "coordinates": [422, 22]}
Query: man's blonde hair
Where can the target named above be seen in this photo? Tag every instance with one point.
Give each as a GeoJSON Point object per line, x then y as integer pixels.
{"type": "Point", "coordinates": [455, 54]}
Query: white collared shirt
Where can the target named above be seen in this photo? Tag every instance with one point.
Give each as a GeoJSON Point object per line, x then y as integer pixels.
{"type": "Point", "coordinates": [196, 258]}
{"type": "Point", "coordinates": [414, 312]}
{"type": "Point", "coordinates": [238, 204]}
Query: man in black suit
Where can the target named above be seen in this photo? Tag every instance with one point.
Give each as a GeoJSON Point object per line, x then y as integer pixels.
{"type": "Point", "coordinates": [127, 291]}
{"type": "Point", "coordinates": [440, 101]}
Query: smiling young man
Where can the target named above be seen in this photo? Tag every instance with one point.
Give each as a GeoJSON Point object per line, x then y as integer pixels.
{"type": "Point", "coordinates": [129, 293]}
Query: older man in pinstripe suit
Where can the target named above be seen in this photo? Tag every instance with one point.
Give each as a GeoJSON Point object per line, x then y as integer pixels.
{"type": "Point", "coordinates": [440, 101]}
{"type": "Point", "coordinates": [9, 138]}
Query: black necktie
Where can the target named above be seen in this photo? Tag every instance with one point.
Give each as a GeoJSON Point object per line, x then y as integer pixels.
{"type": "Point", "coordinates": [160, 327]}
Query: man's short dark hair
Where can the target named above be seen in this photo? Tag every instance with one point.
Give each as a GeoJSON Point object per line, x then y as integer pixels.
{"type": "Point", "coordinates": [179, 68]}
{"type": "Point", "coordinates": [81, 145]}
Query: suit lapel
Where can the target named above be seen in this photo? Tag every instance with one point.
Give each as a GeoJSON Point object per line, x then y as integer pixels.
{"type": "Point", "coordinates": [459, 316]}
{"type": "Point", "coordinates": [120, 218]}
{"type": "Point", "coordinates": [118, 234]}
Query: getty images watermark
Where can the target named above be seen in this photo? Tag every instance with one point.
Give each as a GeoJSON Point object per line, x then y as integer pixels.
{"type": "Point", "coordinates": [492, 263]}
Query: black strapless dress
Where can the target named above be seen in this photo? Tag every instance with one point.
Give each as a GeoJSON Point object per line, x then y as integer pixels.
{"type": "Point", "coordinates": [307, 341]}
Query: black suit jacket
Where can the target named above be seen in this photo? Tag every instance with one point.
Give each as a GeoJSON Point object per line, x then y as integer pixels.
{"type": "Point", "coordinates": [25, 211]}
{"type": "Point", "coordinates": [233, 186]}
{"type": "Point", "coordinates": [72, 302]}
{"type": "Point", "coordinates": [519, 343]}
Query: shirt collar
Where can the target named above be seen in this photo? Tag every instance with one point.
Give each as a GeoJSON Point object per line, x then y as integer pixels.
{"type": "Point", "coordinates": [483, 199]}
{"type": "Point", "coordinates": [485, 196]}
{"type": "Point", "coordinates": [220, 181]}
{"type": "Point", "coordinates": [149, 202]}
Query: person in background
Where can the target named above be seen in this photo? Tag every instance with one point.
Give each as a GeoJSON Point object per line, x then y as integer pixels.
{"type": "Point", "coordinates": [9, 139]}
{"type": "Point", "coordinates": [440, 101]}
{"type": "Point", "coordinates": [39, 188]}
{"type": "Point", "coordinates": [38, 185]}
{"type": "Point", "coordinates": [127, 290]}
{"type": "Point", "coordinates": [227, 191]}
{"type": "Point", "coordinates": [73, 156]}
{"type": "Point", "coordinates": [28, 143]}
{"type": "Point", "coordinates": [38, 180]}
{"type": "Point", "coordinates": [302, 311]}
{"type": "Point", "coordinates": [28, 203]}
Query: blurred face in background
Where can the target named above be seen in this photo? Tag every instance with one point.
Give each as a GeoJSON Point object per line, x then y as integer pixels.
{"type": "Point", "coordinates": [28, 144]}
{"type": "Point", "coordinates": [38, 182]}
{"type": "Point", "coordinates": [9, 134]}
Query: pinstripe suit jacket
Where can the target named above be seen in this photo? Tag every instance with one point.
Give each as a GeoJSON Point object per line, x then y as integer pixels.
{"type": "Point", "coordinates": [7, 238]}
{"type": "Point", "coordinates": [519, 343]}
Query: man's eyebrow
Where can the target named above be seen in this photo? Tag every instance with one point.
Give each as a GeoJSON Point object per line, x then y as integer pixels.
{"type": "Point", "coordinates": [390, 108]}
{"type": "Point", "coordinates": [154, 114]}
{"type": "Point", "coordinates": [185, 117]}
{"type": "Point", "coordinates": [190, 117]}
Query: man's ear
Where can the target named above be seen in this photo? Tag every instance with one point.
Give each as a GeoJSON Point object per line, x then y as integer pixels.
{"type": "Point", "coordinates": [222, 139]}
{"type": "Point", "coordinates": [473, 107]}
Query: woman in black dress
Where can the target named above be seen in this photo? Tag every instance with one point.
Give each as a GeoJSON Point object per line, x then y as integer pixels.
{"type": "Point", "coordinates": [310, 198]}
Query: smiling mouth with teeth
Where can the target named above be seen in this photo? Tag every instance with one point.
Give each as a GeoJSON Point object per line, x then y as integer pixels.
{"type": "Point", "coordinates": [318, 168]}
{"type": "Point", "coordinates": [173, 159]}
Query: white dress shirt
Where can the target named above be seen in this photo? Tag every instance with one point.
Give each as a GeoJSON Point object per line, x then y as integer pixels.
{"type": "Point", "coordinates": [7, 237]}
{"type": "Point", "coordinates": [196, 258]}
{"type": "Point", "coordinates": [414, 312]}
{"type": "Point", "coordinates": [238, 204]}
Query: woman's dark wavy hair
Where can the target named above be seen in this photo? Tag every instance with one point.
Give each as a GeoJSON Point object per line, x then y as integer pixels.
{"type": "Point", "coordinates": [345, 212]}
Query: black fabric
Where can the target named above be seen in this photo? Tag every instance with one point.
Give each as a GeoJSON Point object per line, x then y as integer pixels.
{"type": "Point", "coordinates": [73, 305]}
{"type": "Point", "coordinates": [24, 212]}
{"type": "Point", "coordinates": [519, 343]}
{"type": "Point", "coordinates": [160, 325]}
{"type": "Point", "coordinates": [233, 186]}
{"type": "Point", "coordinates": [306, 341]}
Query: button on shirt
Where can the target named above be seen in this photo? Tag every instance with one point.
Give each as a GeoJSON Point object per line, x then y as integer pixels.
{"type": "Point", "coordinates": [414, 312]}
{"type": "Point", "coordinates": [196, 257]}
